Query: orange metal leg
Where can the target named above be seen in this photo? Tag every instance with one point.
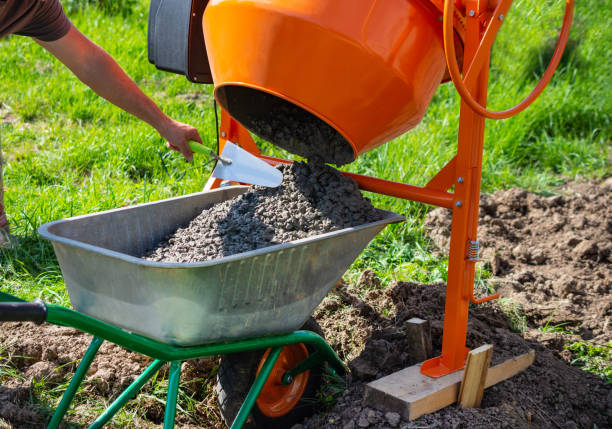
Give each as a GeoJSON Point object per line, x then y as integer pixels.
{"type": "Point", "coordinates": [232, 131]}
{"type": "Point", "coordinates": [460, 283]}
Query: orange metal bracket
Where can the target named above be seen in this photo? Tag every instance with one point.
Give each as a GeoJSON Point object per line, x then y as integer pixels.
{"type": "Point", "coordinates": [495, 22]}
{"type": "Point", "coordinates": [482, 300]}
{"type": "Point", "coordinates": [445, 178]}
{"type": "Point", "coordinates": [232, 131]}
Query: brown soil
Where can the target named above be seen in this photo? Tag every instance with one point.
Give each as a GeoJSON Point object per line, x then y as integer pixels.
{"type": "Point", "coordinates": [552, 255]}
{"type": "Point", "coordinates": [365, 324]}
{"type": "Point", "coordinates": [549, 394]}
{"type": "Point", "coordinates": [49, 354]}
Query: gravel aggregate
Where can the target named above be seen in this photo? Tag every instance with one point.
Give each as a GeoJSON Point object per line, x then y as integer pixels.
{"type": "Point", "coordinates": [286, 125]}
{"type": "Point", "coordinates": [312, 199]}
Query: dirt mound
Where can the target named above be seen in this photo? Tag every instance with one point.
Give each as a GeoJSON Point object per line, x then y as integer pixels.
{"type": "Point", "coordinates": [366, 326]}
{"type": "Point", "coordinates": [550, 254]}
{"type": "Point", "coordinates": [312, 200]}
{"type": "Point", "coordinates": [49, 354]}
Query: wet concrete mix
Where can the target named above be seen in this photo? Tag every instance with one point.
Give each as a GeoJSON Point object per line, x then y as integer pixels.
{"type": "Point", "coordinates": [286, 125]}
{"type": "Point", "coordinates": [312, 199]}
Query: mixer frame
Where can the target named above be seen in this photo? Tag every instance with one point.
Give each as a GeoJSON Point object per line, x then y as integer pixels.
{"type": "Point", "coordinates": [477, 25]}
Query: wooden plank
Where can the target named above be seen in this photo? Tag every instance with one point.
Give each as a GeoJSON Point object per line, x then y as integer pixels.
{"type": "Point", "coordinates": [474, 376]}
{"type": "Point", "coordinates": [418, 335]}
{"type": "Point", "coordinates": [507, 369]}
{"type": "Point", "coordinates": [412, 394]}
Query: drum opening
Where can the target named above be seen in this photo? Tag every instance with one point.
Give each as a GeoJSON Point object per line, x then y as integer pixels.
{"type": "Point", "coordinates": [285, 124]}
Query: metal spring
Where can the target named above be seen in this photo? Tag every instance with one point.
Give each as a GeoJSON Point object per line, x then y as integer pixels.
{"type": "Point", "coordinates": [473, 251]}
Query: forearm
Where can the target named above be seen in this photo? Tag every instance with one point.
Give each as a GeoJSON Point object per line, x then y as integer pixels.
{"type": "Point", "coordinates": [98, 70]}
{"type": "Point", "coordinates": [103, 75]}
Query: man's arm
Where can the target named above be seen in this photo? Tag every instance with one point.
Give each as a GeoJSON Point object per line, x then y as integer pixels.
{"type": "Point", "coordinates": [98, 70]}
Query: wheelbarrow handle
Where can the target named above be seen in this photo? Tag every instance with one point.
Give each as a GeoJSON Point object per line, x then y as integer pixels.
{"type": "Point", "coordinates": [35, 311]}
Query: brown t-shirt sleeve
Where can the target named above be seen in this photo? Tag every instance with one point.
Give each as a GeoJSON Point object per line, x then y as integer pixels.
{"type": "Point", "coordinates": [48, 22]}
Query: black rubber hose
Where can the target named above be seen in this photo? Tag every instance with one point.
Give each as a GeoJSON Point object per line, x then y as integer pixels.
{"type": "Point", "coordinates": [35, 311]}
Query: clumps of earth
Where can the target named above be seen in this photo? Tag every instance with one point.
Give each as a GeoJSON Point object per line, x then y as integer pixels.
{"type": "Point", "coordinates": [552, 255]}
{"type": "Point", "coordinates": [312, 199]}
{"type": "Point", "coordinates": [366, 324]}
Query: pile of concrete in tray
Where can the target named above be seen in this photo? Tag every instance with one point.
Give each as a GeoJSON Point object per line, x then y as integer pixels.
{"type": "Point", "coordinates": [313, 199]}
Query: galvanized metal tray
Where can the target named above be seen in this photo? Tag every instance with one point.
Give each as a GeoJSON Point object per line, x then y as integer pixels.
{"type": "Point", "coordinates": [262, 292]}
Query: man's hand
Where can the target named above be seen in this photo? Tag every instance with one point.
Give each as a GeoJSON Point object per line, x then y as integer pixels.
{"type": "Point", "coordinates": [98, 70]}
{"type": "Point", "coordinates": [178, 136]}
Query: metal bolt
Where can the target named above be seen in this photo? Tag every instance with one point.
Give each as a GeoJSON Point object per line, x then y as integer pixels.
{"type": "Point", "coordinates": [501, 16]}
{"type": "Point", "coordinates": [459, 179]}
{"type": "Point", "coordinates": [287, 379]}
{"type": "Point", "coordinates": [472, 13]}
{"type": "Point", "coordinates": [223, 134]}
{"type": "Point", "coordinates": [458, 203]}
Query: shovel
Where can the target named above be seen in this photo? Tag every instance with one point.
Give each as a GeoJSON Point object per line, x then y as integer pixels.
{"type": "Point", "coordinates": [238, 165]}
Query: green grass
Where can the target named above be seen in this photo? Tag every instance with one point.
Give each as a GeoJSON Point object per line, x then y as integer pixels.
{"type": "Point", "coordinates": [515, 314]}
{"type": "Point", "coordinates": [593, 358]}
{"type": "Point", "coordinates": [70, 152]}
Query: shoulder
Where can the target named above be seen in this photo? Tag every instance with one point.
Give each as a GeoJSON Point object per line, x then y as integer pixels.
{"type": "Point", "coordinates": [48, 22]}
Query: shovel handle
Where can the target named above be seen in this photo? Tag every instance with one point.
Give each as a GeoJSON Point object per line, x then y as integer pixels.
{"type": "Point", "coordinates": [197, 147]}
{"type": "Point", "coordinates": [35, 311]}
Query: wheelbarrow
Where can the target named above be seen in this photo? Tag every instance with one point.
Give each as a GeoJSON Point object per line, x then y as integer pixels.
{"type": "Point", "coordinates": [249, 305]}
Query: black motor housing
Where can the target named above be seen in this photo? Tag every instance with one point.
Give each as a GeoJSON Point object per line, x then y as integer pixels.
{"type": "Point", "coordinates": [176, 40]}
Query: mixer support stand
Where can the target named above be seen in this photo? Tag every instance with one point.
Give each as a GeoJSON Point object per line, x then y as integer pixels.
{"type": "Point", "coordinates": [468, 165]}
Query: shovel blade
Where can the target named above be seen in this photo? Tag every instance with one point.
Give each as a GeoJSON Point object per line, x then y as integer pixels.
{"type": "Point", "coordinates": [246, 168]}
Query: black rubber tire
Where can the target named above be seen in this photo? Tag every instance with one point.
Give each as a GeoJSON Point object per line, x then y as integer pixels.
{"type": "Point", "coordinates": [236, 375]}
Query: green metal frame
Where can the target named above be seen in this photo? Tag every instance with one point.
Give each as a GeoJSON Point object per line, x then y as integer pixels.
{"type": "Point", "coordinates": [166, 353]}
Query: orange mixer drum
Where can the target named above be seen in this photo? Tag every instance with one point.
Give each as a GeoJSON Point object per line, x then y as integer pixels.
{"type": "Point", "coordinates": [326, 78]}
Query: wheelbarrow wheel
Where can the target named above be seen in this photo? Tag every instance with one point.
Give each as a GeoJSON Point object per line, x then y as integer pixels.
{"type": "Point", "coordinates": [278, 406]}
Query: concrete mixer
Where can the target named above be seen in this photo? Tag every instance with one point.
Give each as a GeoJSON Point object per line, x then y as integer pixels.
{"type": "Point", "coordinates": [334, 79]}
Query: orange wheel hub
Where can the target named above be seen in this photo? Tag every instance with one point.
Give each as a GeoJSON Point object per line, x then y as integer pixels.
{"type": "Point", "coordinates": [277, 399]}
